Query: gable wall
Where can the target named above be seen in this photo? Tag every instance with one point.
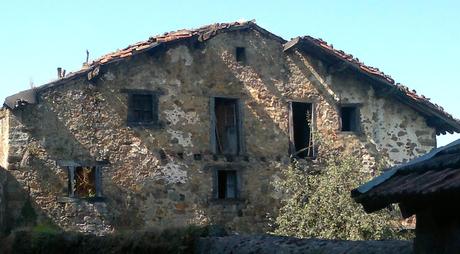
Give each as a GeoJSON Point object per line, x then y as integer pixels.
{"type": "Point", "coordinates": [4, 137]}
{"type": "Point", "coordinates": [84, 122]}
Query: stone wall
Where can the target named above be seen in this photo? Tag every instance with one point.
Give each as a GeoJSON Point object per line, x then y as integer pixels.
{"type": "Point", "coordinates": [162, 176]}
{"type": "Point", "coordinates": [4, 137]}
{"type": "Point", "coordinates": [2, 201]}
{"type": "Point", "coordinates": [276, 244]}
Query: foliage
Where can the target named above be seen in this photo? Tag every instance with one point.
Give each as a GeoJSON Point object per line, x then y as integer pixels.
{"type": "Point", "coordinates": [84, 182]}
{"type": "Point", "coordinates": [317, 201]}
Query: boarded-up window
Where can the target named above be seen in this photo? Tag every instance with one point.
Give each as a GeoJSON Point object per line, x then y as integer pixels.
{"type": "Point", "coordinates": [300, 129]}
{"type": "Point", "coordinates": [226, 126]}
{"type": "Point", "coordinates": [349, 118]}
{"type": "Point", "coordinates": [142, 108]}
{"type": "Point", "coordinates": [226, 184]}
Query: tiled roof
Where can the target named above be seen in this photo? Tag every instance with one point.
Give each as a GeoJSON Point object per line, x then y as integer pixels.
{"type": "Point", "coordinates": [202, 34]}
{"type": "Point", "coordinates": [432, 175]}
{"type": "Point", "coordinates": [410, 95]}
{"type": "Point", "coordinates": [91, 69]}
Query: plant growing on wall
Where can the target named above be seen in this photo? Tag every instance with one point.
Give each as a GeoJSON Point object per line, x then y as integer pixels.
{"type": "Point", "coordinates": [84, 182]}
{"type": "Point", "coordinates": [317, 201]}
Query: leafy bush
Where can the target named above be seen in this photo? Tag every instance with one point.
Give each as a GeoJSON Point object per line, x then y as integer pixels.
{"type": "Point", "coordinates": [317, 201]}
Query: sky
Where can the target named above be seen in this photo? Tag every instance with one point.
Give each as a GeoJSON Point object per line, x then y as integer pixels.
{"type": "Point", "coordinates": [416, 42]}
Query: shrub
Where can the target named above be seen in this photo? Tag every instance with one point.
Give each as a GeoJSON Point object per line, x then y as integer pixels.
{"type": "Point", "coordinates": [317, 202]}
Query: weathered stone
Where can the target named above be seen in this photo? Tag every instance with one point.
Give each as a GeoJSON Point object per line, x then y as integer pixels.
{"type": "Point", "coordinates": [150, 174]}
{"type": "Point", "coordinates": [281, 245]}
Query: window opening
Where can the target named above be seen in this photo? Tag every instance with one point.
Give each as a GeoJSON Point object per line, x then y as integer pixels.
{"type": "Point", "coordinates": [142, 109]}
{"type": "Point", "coordinates": [226, 126]}
{"type": "Point", "coordinates": [349, 118]}
{"type": "Point", "coordinates": [85, 182]}
{"type": "Point", "coordinates": [226, 184]}
{"type": "Point", "coordinates": [301, 131]}
{"type": "Point", "coordinates": [241, 54]}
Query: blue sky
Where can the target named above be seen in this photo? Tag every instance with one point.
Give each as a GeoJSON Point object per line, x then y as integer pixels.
{"type": "Point", "coordinates": [416, 42]}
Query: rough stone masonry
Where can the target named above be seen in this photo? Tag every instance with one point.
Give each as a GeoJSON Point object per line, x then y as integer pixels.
{"type": "Point", "coordinates": [190, 131]}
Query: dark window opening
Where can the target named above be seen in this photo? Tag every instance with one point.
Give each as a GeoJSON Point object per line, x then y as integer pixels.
{"type": "Point", "coordinates": [227, 122]}
{"type": "Point", "coordinates": [301, 135]}
{"type": "Point", "coordinates": [226, 184]}
{"type": "Point", "coordinates": [240, 54]}
{"type": "Point", "coordinates": [84, 182]}
{"type": "Point", "coordinates": [142, 109]}
{"type": "Point", "coordinates": [349, 118]}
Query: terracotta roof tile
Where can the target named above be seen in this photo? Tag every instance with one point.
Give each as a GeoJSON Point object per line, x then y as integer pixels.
{"type": "Point", "coordinates": [202, 33]}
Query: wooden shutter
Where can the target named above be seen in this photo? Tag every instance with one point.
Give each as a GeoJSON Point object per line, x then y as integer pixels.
{"type": "Point", "coordinates": [98, 181]}
{"type": "Point", "coordinates": [212, 131]}
{"type": "Point", "coordinates": [239, 116]}
{"type": "Point", "coordinates": [71, 185]}
{"type": "Point", "coordinates": [291, 129]}
{"type": "Point", "coordinates": [231, 184]}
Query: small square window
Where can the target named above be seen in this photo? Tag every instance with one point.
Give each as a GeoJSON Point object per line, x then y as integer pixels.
{"type": "Point", "coordinates": [349, 118]}
{"type": "Point", "coordinates": [240, 54]}
{"type": "Point", "coordinates": [227, 184]}
{"type": "Point", "coordinates": [142, 109]}
{"type": "Point", "coordinates": [84, 182]}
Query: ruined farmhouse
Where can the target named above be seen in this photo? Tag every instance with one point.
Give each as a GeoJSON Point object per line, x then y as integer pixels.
{"type": "Point", "coordinates": [191, 127]}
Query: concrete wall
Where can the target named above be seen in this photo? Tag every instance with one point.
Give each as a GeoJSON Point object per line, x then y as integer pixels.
{"type": "Point", "coordinates": [153, 178]}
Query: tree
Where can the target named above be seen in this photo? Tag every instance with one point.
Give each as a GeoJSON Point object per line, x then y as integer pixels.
{"type": "Point", "coordinates": [317, 202]}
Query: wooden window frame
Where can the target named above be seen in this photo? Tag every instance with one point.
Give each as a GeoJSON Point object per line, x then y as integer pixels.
{"type": "Point", "coordinates": [215, 182]}
{"type": "Point", "coordinates": [292, 150]}
{"type": "Point", "coordinates": [131, 93]}
{"type": "Point", "coordinates": [240, 131]}
{"type": "Point", "coordinates": [71, 167]}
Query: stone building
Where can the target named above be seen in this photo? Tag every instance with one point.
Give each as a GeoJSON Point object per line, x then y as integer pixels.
{"type": "Point", "coordinates": [427, 187]}
{"type": "Point", "coordinates": [191, 127]}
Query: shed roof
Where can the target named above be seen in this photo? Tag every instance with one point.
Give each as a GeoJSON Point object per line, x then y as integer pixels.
{"type": "Point", "coordinates": [425, 178]}
{"type": "Point", "coordinates": [436, 115]}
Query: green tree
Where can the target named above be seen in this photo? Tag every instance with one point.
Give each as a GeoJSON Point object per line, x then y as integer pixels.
{"type": "Point", "coordinates": [317, 202]}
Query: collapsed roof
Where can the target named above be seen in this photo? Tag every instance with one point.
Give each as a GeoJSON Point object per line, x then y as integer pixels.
{"type": "Point", "coordinates": [436, 116]}
{"type": "Point", "coordinates": [416, 183]}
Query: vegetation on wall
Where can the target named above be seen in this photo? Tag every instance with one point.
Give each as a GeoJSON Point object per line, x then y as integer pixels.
{"type": "Point", "coordinates": [317, 201]}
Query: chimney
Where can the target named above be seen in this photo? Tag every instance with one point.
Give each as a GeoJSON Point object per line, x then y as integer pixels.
{"type": "Point", "coordinates": [59, 72]}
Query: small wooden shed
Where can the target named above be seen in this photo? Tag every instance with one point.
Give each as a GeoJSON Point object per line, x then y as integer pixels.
{"type": "Point", "coordinates": [428, 187]}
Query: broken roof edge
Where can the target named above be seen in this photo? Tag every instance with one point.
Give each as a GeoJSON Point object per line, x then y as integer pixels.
{"type": "Point", "coordinates": [359, 194]}
{"type": "Point", "coordinates": [202, 33]}
{"type": "Point", "coordinates": [418, 102]}
{"type": "Point", "coordinates": [30, 96]}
